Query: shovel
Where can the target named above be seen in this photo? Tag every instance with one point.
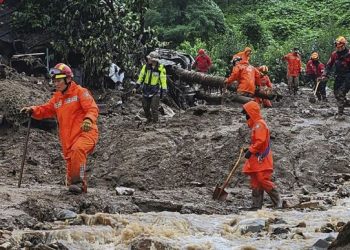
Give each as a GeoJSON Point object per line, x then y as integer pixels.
{"type": "Point", "coordinates": [219, 192]}
{"type": "Point", "coordinates": [24, 153]}
{"type": "Point", "coordinates": [312, 98]}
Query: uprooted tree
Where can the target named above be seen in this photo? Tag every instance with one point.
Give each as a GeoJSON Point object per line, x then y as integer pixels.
{"type": "Point", "coordinates": [98, 30]}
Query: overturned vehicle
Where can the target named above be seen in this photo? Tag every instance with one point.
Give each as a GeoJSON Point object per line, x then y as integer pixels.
{"type": "Point", "coordinates": [187, 87]}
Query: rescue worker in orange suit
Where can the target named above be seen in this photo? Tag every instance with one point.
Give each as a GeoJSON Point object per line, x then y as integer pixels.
{"type": "Point", "coordinates": [245, 55]}
{"type": "Point", "coordinates": [340, 59]}
{"type": "Point", "coordinates": [202, 62]}
{"type": "Point", "coordinates": [246, 76]}
{"type": "Point", "coordinates": [76, 113]}
{"type": "Point", "coordinates": [264, 83]}
{"type": "Point", "coordinates": [293, 60]}
{"type": "Point", "coordinates": [259, 163]}
{"type": "Point", "coordinates": [314, 71]}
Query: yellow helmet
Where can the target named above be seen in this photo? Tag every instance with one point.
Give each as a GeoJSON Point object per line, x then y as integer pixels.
{"type": "Point", "coordinates": [263, 69]}
{"type": "Point", "coordinates": [314, 56]}
{"type": "Point", "coordinates": [340, 42]}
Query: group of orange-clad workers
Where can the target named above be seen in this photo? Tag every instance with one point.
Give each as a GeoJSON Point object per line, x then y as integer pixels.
{"type": "Point", "coordinates": [76, 112]}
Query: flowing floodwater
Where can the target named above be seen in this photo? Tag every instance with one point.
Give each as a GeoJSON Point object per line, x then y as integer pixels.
{"type": "Point", "coordinates": [191, 231]}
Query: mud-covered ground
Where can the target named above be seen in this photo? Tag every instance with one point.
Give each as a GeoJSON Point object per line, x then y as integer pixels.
{"type": "Point", "coordinates": [174, 165]}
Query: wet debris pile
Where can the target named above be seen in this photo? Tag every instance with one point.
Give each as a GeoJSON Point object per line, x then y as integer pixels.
{"type": "Point", "coordinates": [18, 92]}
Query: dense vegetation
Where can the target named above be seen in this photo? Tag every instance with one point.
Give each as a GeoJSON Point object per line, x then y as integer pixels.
{"type": "Point", "coordinates": [97, 30]}
{"type": "Point", "coordinates": [100, 29]}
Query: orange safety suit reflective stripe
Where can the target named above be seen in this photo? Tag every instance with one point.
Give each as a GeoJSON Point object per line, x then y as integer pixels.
{"type": "Point", "coordinates": [70, 109]}
{"type": "Point", "coordinates": [260, 139]}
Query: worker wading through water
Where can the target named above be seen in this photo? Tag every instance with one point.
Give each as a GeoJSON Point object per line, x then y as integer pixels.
{"type": "Point", "coordinates": [259, 163]}
{"type": "Point", "coordinates": [76, 113]}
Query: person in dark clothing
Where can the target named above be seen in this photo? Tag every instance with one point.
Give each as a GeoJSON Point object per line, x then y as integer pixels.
{"type": "Point", "coordinates": [340, 59]}
{"type": "Point", "coordinates": [314, 71]}
{"type": "Point", "coordinates": [152, 80]}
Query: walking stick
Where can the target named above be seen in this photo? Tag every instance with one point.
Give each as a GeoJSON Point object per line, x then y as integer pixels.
{"type": "Point", "coordinates": [24, 152]}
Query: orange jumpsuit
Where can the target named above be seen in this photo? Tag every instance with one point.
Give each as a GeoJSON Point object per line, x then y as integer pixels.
{"type": "Point", "coordinates": [246, 75]}
{"type": "Point", "coordinates": [294, 64]}
{"type": "Point", "coordinates": [245, 55]}
{"type": "Point", "coordinates": [70, 109]}
{"type": "Point", "coordinates": [260, 165]}
{"type": "Point", "coordinates": [264, 81]}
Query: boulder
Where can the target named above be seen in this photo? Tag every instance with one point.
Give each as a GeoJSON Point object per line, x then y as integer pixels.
{"type": "Point", "coordinates": [342, 242]}
{"type": "Point", "coordinates": [321, 245]}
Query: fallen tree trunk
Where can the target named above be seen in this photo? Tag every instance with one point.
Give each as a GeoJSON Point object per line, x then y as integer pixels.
{"type": "Point", "coordinates": [200, 78]}
{"type": "Point", "coordinates": [218, 100]}
{"type": "Point", "coordinates": [219, 82]}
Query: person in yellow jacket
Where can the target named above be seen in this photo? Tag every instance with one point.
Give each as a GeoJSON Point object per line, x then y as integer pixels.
{"type": "Point", "coordinates": [153, 83]}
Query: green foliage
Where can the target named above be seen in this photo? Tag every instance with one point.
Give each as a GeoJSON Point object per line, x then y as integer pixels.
{"type": "Point", "coordinates": [177, 21]}
{"type": "Point", "coordinates": [220, 49]}
{"type": "Point", "coordinates": [192, 48]}
{"type": "Point", "coordinates": [252, 28]}
{"type": "Point", "coordinates": [306, 24]}
{"type": "Point", "coordinates": [96, 29]}
{"type": "Point", "coordinates": [27, 18]}
{"type": "Point", "coordinates": [99, 29]}
{"type": "Point", "coordinates": [282, 29]}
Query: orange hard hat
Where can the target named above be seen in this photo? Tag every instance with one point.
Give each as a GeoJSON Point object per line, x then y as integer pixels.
{"type": "Point", "coordinates": [201, 51]}
{"type": "Point", "coordinates": [263, 69]}
{"type": "Point", "coordinates": [314, 56]}
{"type": "Point", "coordinates": [60, 71]}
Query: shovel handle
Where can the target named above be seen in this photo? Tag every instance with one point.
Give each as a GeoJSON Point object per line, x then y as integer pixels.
{"type": "Point", "coordinates": [233, 169]}
{"type": "Point", "coordinates": [317, 83]}
{"type": "Point", "coordinates": [24, 152]}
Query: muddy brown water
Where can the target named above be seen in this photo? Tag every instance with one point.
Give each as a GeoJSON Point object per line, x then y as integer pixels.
{"type": "Point", "coordinates": [173, 166]}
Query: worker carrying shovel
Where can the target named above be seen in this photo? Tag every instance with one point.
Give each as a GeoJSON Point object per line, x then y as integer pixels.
{"type": "Point", "coordinates": [76, 112]}
{"type": "Point", "coordinates": [259, 163]}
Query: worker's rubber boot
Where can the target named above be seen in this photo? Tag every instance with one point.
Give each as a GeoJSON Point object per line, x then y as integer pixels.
{"type": "Point", "coordinates": [257, 199]}
{"type": "Point", "coordinates": [276, 199]}
{"type": "Point", "coordinates": [340, 115]}
{"type": "Point", "coordinates": [347, 103]}
{"type": "Point", "coordinates": [77, 186]}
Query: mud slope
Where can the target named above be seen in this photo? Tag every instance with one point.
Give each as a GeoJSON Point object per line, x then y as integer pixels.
{"type": "Point", "coordinates": [173, 166]}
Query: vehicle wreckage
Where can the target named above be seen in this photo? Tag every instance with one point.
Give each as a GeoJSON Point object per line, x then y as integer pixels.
{"type": "Point", "coordinates": [186, 87]}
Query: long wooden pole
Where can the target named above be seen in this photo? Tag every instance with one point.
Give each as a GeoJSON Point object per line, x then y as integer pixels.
{"type": "Point", "coordinates": [24, 152]}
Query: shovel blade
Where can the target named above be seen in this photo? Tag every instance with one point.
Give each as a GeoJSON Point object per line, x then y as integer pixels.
{"type": "Point", "coordinates": [219, 193]}
{"type": "Point", "coordinates": [312, 99]}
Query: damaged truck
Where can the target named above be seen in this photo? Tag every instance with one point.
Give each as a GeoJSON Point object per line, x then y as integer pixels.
{"type": "Point", "coordinates": [187, 87]}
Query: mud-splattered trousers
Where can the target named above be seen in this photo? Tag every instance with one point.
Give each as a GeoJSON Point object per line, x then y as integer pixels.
{"type": "Point", "coordinates": [341, 61]}
{"type": "Point", "coordinates": [293, 84]}
{"type": "Point", "coordinates": [341, 88]}
{"type": "Point", "coordinates": [150, 107]}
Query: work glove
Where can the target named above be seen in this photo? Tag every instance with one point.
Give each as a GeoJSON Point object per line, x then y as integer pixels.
{"type": "Point", "coordinates": [247, 154]}
{"type": "Point", "coordinates": [27, 110]}
{"type": "Point", "coordinates": [323, 78]}
{"type": "Point", "coordinates": [86, 126]}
